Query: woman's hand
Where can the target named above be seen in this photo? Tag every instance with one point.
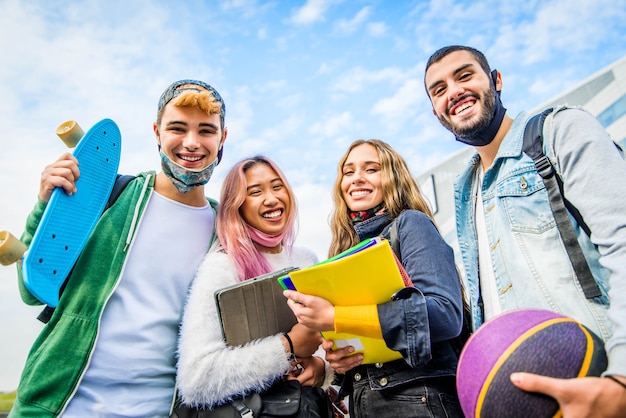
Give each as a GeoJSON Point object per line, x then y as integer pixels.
{"type": "Point", "coordinates": [305, 340]}
{"type": "Point", "coordinates": [340, 360]}
{"type": "Point", "coordinates": [312, 311]}
{"type": "Point", "coordinates": [61, 173]}
{"type": "Point", "coordinates": [313, 372]}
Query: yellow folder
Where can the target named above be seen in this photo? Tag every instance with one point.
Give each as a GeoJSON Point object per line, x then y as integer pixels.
{"type": "Point", "coordinates": [367, 274]}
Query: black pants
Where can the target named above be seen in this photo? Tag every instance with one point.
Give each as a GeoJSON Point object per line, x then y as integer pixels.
{"type": "Point", "coordinates": [429, 398]}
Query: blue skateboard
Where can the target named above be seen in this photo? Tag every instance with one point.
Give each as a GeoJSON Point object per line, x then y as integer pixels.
{"type": "Point", "coordinates": [68, 221]}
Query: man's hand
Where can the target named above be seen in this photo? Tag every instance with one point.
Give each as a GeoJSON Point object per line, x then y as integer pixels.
{"type": "Point", "coordinates": [61, 173]}
{"type": "Point", "coordinates": [578, 398]}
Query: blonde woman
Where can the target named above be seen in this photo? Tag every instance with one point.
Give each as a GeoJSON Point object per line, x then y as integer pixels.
{"type": "Point", "coordinates": [374, 187]}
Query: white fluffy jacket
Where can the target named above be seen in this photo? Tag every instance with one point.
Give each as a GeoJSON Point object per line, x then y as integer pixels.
{"type": "Point", "coordinates": [211, 373]}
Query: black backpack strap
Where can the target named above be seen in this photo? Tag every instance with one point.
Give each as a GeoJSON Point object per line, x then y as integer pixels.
{"type": "Point", "coordinates": [45, 314]}
{"type": "Point", "coordinates": [533, 147]}
{"type": "Point", "coordinates": [121, 181]}
{"type": "Point", "coordinates": [393, 239]}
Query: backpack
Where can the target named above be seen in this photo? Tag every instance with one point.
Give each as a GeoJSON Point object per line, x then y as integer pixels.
{"type": "Point", "coordinates": [121, 181]}
{"type": "Point", "coordinates": [533, 147]}
{"type": "Point", "coordinates": [466, 329]}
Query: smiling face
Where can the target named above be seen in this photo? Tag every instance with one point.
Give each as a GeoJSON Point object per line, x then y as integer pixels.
{"type": "Point", "coordinates": [361, 182]}
{"type": "Point", "coordinates": [462, 94]}
{"type": "Point", "coordinates": [267, 203]}
{"type": "Point", "coordinates": [189, 136]}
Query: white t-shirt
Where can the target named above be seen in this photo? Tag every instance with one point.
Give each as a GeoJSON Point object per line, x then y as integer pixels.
{"type": "Point", "coordinates": [488, 286]}
{"type": "Point", "coordinates": [132, 368]}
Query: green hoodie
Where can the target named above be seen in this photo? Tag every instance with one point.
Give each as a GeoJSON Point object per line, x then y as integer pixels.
{"type": "Point", "coordinates": [62, 351]}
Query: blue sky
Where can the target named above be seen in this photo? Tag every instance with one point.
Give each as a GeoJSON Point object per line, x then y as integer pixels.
{"type": "Point", "coordinates": [301, 80]}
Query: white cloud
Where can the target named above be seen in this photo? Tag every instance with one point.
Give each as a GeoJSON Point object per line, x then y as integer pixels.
{"type": "Point", "coordinates": [245, 8]}
{"type": "Point", "coordinates": [314, 208]}
{"type": "Point", "coordinates": [394, 110]}
{"type": "Point", "coordinates": [239, 114]}
{"type": "Point", "coordinates": [324, 69]}
{"type": "Point", "coordinates": [273, 85]}
{"type": "Point", "coordinates": [358, 78]}
{"type": "Point", "coordinates": [332, 126]}
{"type": "Point", "coordinates": [377, 29]}
{"type": "Point", "coordinates": [353, 24]}
{"type": "Point", "coordinates": [238, 4]}
{"type": "Point", "coordinates": [313, 11]}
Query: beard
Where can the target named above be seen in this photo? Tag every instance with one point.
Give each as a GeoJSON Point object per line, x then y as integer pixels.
{"type": "Point", "coordinates": [471, 129]}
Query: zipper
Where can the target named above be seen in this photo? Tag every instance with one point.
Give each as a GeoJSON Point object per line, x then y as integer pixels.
{"type": "Point", "coordinates": [133, 227]}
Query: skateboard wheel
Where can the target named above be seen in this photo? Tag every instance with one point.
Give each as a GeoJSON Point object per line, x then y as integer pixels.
{"type": "Point", "coordinates": [70, 132]}
{"type": "Point", "coordinates": [11, 248]}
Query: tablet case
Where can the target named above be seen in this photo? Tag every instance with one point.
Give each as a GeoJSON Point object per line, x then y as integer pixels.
{"type": "Point", "coordinates": [254, 308]}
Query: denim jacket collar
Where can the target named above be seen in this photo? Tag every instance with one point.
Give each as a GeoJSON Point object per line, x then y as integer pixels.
{"type": "Point", "coordinates": [373, 226]}
{"type": "Point", "coordinates": [512, 146]}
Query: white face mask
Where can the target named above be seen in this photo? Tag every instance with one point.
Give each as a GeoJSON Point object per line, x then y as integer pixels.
{"type": "Point", "coordinates": [184, 179]}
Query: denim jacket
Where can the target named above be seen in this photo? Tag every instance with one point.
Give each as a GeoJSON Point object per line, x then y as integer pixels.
{"type": "Point", "coordinates": [421, 325]}
{"type": "Point", "coordinates": [531, 266]}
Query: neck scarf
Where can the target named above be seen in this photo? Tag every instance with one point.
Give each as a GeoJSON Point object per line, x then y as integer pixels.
{"type": "Point", "coordinates": [184, 179]}
{"type": "Point", "coordinates": [362, 215]}
{"type": "Point", "coordinates": [261, 238]}
{"type": "Point", "coordinates": [488, 133]}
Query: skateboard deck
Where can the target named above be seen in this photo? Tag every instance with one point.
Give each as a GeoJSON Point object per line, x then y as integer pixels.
{"type": "Point", "coordinates": [68, 221]}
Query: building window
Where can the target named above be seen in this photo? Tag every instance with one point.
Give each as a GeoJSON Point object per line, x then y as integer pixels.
{"type": "Point", "coordinates": [428, 190]}
{"type": "Point", "coordinates": [613, 112]}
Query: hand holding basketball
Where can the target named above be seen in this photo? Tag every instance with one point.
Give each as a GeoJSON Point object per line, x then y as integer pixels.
{"type": "Point", "coordinates": [578, 398]}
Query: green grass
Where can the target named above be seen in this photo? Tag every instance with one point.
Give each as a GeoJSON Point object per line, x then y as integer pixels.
{"type": "Point", "coordinates": [6, 400]}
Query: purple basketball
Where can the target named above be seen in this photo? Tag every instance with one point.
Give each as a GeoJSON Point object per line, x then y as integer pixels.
{"type": "Point", "coordinates": [526, 340]}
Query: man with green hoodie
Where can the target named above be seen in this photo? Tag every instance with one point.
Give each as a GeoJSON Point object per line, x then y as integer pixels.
{"type": "Point", "coordinates": [109, 347]}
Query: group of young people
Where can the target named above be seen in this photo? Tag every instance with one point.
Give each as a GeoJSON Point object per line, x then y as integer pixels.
{"type": "Point", "coordinates": [136, 330]}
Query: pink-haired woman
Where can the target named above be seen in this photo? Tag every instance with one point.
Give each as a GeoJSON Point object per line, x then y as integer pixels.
{"type": "Point", "coordinates": [256, 230]}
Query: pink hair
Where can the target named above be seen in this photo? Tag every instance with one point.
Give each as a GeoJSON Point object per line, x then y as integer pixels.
{"type": "Point", "coordinates": [249, 261]}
